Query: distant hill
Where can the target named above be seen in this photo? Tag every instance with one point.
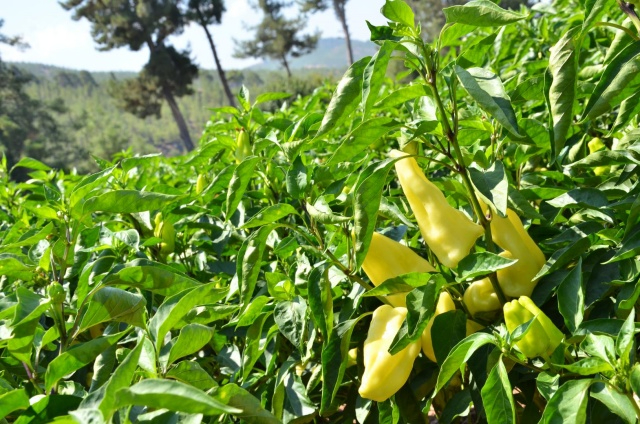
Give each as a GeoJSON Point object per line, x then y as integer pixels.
{"type": "Point", "coordinates": [331, 53]}
{"type": "Point", "coordinates": [42, 71]}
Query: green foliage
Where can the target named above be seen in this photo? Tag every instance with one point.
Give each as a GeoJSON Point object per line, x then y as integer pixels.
{"type": "Point", "coordinates": [255, 313]}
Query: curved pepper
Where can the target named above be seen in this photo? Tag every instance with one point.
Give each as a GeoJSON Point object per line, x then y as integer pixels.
{"type": "Point", "coordinates": [448, 232]}
{"type": "Point", "coordinates": [542, 338]}
{"type": "Point", "coordinates": [510, 235]}
{"type": "Point", "coordinates": [384, 374]}
{"type": "Point", "coordinates": [387, 259]}
{"type": "Point", "coordinates": [480, 297]}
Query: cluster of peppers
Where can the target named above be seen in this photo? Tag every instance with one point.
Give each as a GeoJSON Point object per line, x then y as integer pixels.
{"type": "Point", "coordinates": [450, 235]}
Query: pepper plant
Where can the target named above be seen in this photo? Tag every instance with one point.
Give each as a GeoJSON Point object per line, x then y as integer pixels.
{"type": "Point", "coordinates": [280, 271]}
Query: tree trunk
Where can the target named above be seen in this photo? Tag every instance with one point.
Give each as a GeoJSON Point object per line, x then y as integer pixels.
{"type": "Point", "coordinates": [173, 105]}
{"type": "Point", "coordinates": [221, 74]}
{"type": "Point", "coordinates": [286, 66]}
{"type": "Point", "coordinates": [342, 17]}
{"type": "Point", "coordinates": [177, 115]}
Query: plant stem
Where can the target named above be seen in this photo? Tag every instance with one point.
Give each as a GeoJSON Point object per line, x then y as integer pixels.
{"type": "Point", "coordinates": [462, 170]}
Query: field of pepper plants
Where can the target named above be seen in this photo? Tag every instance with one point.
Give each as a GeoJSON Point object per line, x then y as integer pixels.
{"type": "Point", "coordinates": [459, 243]}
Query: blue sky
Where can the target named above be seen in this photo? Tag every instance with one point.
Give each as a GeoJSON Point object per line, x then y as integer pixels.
{"type": "Point", "coordinates": [56, 39]}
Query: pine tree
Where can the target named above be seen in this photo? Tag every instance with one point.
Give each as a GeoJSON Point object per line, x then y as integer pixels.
{"type": "Point", "coordinates": [205, 13]}
{"type": "Point", "coordinates": [136, 24]}
{"type": "Point", "coordinates": [339, 7]}
{"type": "Point", "coordinates": [277, 37]}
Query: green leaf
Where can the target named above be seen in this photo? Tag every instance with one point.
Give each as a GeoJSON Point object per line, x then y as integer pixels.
{"type": "Point", "coordinates": [617, 403]}
{"type": "Point", "coordinates": [571, 298]}
{"type": "Point", "coordinates": [400, 284]}
{"type": "Point", "coordinates": [77, 357]}
{"type": "Point", "coordinates": [564, 256]}
{"type": "Point", "coordinates": [361, 137]}
{"type": "Point", "coordinates": [190, 372]}
{"type": "Point", "coordinates": [398, 11]}
{"type": "Point", "coordinates": [321, 300]}
{"type": "Point", "coordinates": [149, 275]}
{"type": "Point", "coordinates": [630, 246]}
{"type": "Point", "coordinates": [547, 384]}
{"type": "Point", "coordinates": [421, 305]}
{"type": "Point", "coordinates": [270, 97]}
{"type": "Point", "coordinates": [171, 311]}
{"type": "Point", "coordinates": [111, 304]}
{"type": "Point", "coordinates": [172, 395]}
{"type": "Point", "coordinates": [249, 263]}
{"type": "Point", "coordinates": [619, 81]}
{"type": "Point", "coordinates": [492, 186]}
{"type": "Point", "coordinates": [497, 396]}
{"type": "Point", "coordinates": [335, 354]}
{"type": "Point", "coordinates": [321, 212]}
{"type": "Point", "coordinates": [128, 201]}
{"type": "Point", "coordinates": [191, 339]}
{"type": "Point", "coordinates": [12, 401]}
{"type": "Point", "coordinates": [368, 193]}
{"type": "Point", "coordinates": [49, 409]}
{"type": "Point", "coordinates": [562, 92]}
{"type": "Point", "coordinates": [254, 347]}
{"type": "Point", "coordinates": [594, 10]}
{"type": "Point", "coordinates": [373, 76]}
{"type": "Point", "coordinates": [481, 13]}
{"type": "Point", "coordinates": [486, 88]}
{"type": "Point", "coordinates": [480, 264]}
{"type": "Point", "coordinates": [297, 179]}
{"type": "Point", "coordinates": [238, 184]}
{"type": "Point", "coordinates": [448, 329]}
{"type": "Point", "coordinates": [588, 366]}
{"type": "Point", "coordinates": [634, 378]}
{"type": "Point", "coordinates": [28, 312]}
{"type": "Point", "coordinates": [569, 403]}
{"type": "Point", "coordinates": [252, 410]}
{"type": "Point", "coordinates": [625, 340]}
{"type": "Point", "coordinates": [31, 164]}
{"type": "Point", "coordinates": [270, 214]}
{"type": "Point", "coordinates": [459, 355]}
{"type": "Point", "coordinates": [104, 397]}
{"type": "Point", "coordinates": [290, 318]}
{"type": "Point", "coordinates": [346, 98]}
{"type": "Point", "coordinates": [403, 94]}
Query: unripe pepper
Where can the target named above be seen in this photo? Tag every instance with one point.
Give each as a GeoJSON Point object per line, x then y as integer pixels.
{"type": "Point", "coordinates": [243, 145]}
{"type": "Point", "coordinates": [509, 233]}
{"type": "Point", "coordinates": [595, 145]}
{"type": "Point", "coordinates": [387, 259]}
{"type": "Point", "coordinates": [480, 297]}
{"type": "Point", "coordinates": [542, 338]}
{"type": "Point", "coordinates": [201, 183]}
{"type": "Point", "coordinates": [448, 232]}
{"type": "Point", "coordinates": [384, 374]}
{"type": "Point", "coordinates": [165, 231]}
{"type": "Point", "coordinates": [56, 293]}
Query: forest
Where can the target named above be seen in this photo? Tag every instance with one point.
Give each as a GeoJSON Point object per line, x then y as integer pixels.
{"type": "Point", "coordinates": [446, 230]}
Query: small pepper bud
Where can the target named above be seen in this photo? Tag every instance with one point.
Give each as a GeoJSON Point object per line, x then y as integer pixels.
{"type": "Point", "coordinates": [56, 293]}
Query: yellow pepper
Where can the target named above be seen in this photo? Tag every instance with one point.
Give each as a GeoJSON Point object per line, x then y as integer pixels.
{"type": "Point", "coordinates": [542, 338]}
{"type": "Point", "coordinates": [387, 259]}
{"type": "Point", "coordinates": [384, 374]}
{"type": "Point", "coordinates": [448, 232]}
{"type": "Point", "coordinates": [201, 184]}
{"type": "Point", "coordinates": [480, 297]}
{"type": "Point", "coordinates": [510, 235]}
{"type": "Point", "coordinates": [243, 145]}
{"type": "Point", "coordinates": [165, 231]}
{"type": "Point", "coordinates": [445, 304]}
{"type": "Point", "coordinates": [595, 145]}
